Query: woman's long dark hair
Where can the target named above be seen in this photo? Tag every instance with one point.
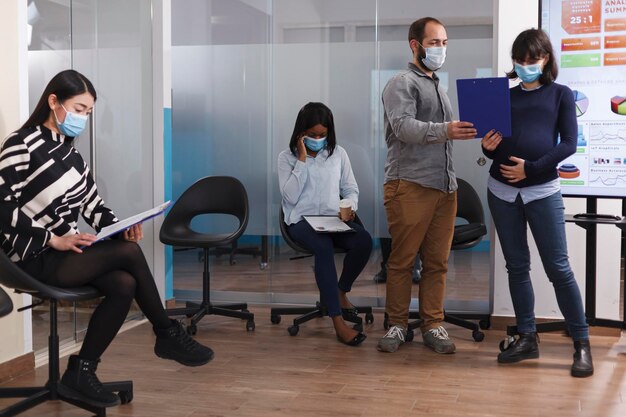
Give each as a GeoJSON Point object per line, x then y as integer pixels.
{"type": "Point", "coordinates": [312, 114]}
{"type": "Point", "coordinates": [66, 84]}
{"type": "Point", "coordinates": [535, 43]}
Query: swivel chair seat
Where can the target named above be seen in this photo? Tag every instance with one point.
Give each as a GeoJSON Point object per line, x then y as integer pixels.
{"type": "Point", "coordinates": [14, 277]}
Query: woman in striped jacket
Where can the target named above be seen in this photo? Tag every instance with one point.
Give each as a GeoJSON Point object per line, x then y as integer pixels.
{"type": "Point", "coordinates": [45, 186]}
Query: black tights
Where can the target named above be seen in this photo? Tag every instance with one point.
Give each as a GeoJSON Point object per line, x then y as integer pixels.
{"type": "Point", "coordinates": [119, 270]}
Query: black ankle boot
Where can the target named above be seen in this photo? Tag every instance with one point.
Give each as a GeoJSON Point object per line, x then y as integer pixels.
{"type": "Point", "coordinates": [583, 364]}
{"type": "Point", "coordinates": [525, 347]}
{"type": "Point", "coordinates": [79, 382]}
{"type": "Point", "coordinates": [174, 343]}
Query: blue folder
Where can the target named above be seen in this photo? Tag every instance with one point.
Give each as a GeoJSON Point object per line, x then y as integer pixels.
{"type": "Point", "coordinates": [486, 102]}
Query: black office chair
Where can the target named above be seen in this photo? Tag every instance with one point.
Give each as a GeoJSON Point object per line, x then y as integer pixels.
{"type": "Point", "coordinates": [465, 236]}
{"type": "Point", "coordinates": [320, 309]}
{"type": "Point", "coordinates": [209, 195]}
{"type": "Point", "coordinates": [6, 305]}
{"type": "Point", "coordinates": [12, 276]}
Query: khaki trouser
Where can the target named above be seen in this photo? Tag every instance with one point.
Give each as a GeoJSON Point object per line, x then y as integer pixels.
{"type": "Point", "coordinates": [419, 218]}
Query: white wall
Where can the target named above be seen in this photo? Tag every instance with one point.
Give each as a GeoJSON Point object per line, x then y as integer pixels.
{"type": "Point", "coordinates": [510, 18]}
{"type": "Point", "coordinates": [15, 328]}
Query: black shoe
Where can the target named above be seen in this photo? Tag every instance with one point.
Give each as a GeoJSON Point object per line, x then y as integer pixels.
{"type": "Point", "coordinates": [355, 341]}
{"type": "Point", "coordinates": [381, 276]}
{"type": "Point", "coordinates": [174, 343]}
{"type": "Point", "coordinates": [79, 382]}
{"type": "Point", "coordinates": [525, 347]}
{"type": "Point", "coordinates": [583, 364]}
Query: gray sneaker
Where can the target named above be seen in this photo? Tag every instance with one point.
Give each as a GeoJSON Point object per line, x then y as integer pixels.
{"type": "Point", "coordinates": [392, 340]}
{"type": "Point", "coordinates": [438, 340]}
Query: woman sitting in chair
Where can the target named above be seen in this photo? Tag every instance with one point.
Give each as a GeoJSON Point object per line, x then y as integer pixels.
{"type": "Point", "coordinates": [45, 185]}
{"type": "Point", "coordinates": [312, 174]}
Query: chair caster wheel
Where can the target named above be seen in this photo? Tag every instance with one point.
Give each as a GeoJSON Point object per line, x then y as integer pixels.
{"type": "Point", "coordinates": [263, 266]}
{"type": "Point", "coordinates": [293, 330]}
{"type": "Point", "coordinates": [358, 327]}
{"type": "Point", "coordinates": [192, 329]}
{"type": "Point", "coordinates": [250, 325]}
{"type": "Point", "coordinates": [125, 396]}
{"type": "Point", "coordinates": [386, 322]}
{"type": "Point", "coordinates": [478, 335]}
{"type": "Point", "coordinates": [275, 318]}
{"type": "Point", "coordinates": [504, 344]}
{"type": "Point", "coordinates": [484, 324]}
{"type": "Point", "coordinates": [369, 318]}
{"type": "Point", "coordinates": [409, 336]}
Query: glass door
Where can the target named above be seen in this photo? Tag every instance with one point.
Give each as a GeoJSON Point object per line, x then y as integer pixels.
{"type": "Point", "coordinates": [111, 44]}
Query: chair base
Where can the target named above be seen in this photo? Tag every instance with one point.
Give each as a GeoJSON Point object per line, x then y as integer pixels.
{"type": "Point", "coordinates": [196, 311]}
{"type": "Point", "coordinates": [458, 319]}
{"type": "Point", "coordinates": [34, 396]}
{"type": "Point", "coordinates": [319, 310]}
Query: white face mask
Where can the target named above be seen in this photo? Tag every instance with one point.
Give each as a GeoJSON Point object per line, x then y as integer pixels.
{"type": "Point", "coordinates": [435, 57]}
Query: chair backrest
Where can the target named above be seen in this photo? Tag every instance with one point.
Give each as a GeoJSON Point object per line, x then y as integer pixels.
{"type": "Point", "coordinates": [285, 232]}
{"type": "Point", "coordinates": [12, 276]}
{"type": "Point", "coordinates": [208, 195]}
{"type": "Point", "coordinates": [6, 305]}
{"type": "Point", "coordinates": [469, 206]}
{"type": "Point", "coordinates": [470, 209]}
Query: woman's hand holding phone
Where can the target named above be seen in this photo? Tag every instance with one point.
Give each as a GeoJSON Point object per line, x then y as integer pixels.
{"type": "Point", "coordinates": [301, 148]}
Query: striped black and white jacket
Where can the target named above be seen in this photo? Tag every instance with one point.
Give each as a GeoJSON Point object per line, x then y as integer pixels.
{"type": "Point", "coordinates": [44, 186]}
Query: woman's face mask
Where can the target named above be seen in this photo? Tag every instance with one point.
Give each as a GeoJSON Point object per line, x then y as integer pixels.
{"type": "Point", "coordinates": [74, 123]}
{"type": "Point", "coordinates": [315, 145]}
{"type": "Point", "coordinates": [529, 73]}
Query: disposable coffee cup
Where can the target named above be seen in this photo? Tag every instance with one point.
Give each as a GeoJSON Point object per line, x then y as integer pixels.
{"type": "Point", "coordinates": [345, 209]}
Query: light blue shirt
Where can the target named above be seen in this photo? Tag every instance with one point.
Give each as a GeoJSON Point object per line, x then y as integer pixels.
{"type": "Point", "coordinates": [529, 194]}
{"type": "Point", "coordinates": [314, 187]}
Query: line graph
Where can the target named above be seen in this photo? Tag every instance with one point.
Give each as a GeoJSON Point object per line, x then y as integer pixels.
{"type": "Point", "coordinates": [608, 181]}
{"type": "Point", "coordinates": [607, 134]}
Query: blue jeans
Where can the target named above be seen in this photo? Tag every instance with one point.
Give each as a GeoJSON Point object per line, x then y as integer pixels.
{"type": "Point", "coordinates": [358, 247]}
{"type": "Point", "coordinates": [547, 224]}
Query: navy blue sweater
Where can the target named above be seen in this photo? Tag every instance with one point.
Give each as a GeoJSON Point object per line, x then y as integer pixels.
{"type": "Point", "coordinates": [537, 118]}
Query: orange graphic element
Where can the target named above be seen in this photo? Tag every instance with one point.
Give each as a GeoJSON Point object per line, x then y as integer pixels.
{"type": "Point", "coordinates": [618, 41]}
{"type": "Point", "coordinates": [615, 58]}
{"type": "Point", "coordinates": [580, 44]}
{"type": "Point", "coordinates": [614, 25]}
{"type": "Point", "coordinates": [581, 16]}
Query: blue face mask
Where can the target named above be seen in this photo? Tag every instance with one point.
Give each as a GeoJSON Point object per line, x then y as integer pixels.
{"type": "Point", "coordinates": [435, 57]}
{"type": "Point", "coordinates": [73, 125]}
{"type": "Point", "coordinates": [528, 73]}
{"type": "Point", "coordinates": [315, 145]}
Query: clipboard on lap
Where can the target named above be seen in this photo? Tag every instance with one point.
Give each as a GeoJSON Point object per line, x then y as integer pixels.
{"type": "Point", "coordinates": [485, 102]}
{"type": "Point", "coordinates": [131, 221]}
{"type": "Point", "coordinates": [327, 224]}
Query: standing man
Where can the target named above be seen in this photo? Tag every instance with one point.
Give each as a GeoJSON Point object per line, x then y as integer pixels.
{"type": "Point", "coordinates": [420, 186]}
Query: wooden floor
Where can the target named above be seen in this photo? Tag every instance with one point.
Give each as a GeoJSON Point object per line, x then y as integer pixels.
{"type": "Point", "coordinates": [269, 373]}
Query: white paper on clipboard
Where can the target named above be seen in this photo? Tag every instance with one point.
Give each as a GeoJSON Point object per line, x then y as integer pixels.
{"type": "Point", "coordinates": [130, 221]}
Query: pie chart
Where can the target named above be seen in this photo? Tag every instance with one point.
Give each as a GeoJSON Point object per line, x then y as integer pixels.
{"type": "Point", "coordinates": [618, 105]}
{"type": "Point", "coordinates": [582, 103]}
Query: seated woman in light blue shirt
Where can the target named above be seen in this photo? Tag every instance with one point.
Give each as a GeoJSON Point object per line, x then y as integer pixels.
{"type": "Point", "coordinates": [313, 174]}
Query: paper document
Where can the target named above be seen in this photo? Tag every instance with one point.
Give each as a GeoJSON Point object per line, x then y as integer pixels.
{"type": "Point", "coordinates": [130, 221]}
{"type": "Point", "coordinates": [485, 102]}
{"type": "Point", "coordinates": [327, 224]}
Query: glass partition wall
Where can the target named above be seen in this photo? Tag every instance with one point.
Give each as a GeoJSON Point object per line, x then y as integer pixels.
{"type": "Point", "coordinates": [110, 43]}
{"type": "Point", "coordinates": [242, 69]}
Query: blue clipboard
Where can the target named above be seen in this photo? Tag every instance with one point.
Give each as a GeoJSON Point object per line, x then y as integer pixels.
{"type": "Point", "coordinates": [486, 102]}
